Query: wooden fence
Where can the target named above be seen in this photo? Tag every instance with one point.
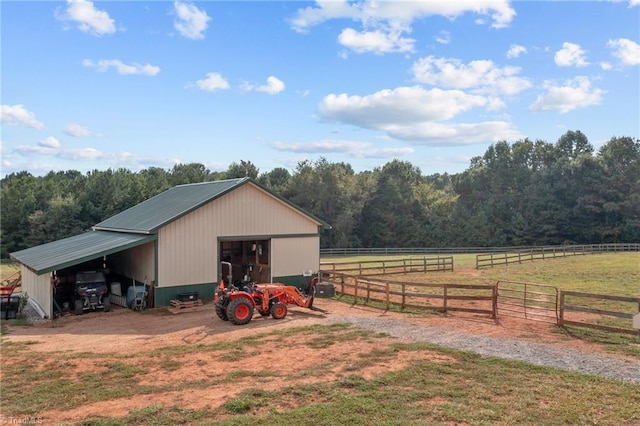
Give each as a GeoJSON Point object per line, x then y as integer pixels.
{"type": "Point", "coordinates": [439, 297]}
{"type": "Point", "coordinates": [489, 260]}
{"type": "Point", "coordinates": [393, 266]}
{"type": "Point", "coordinates": [385, 251]}
{"type": "Point", "coordinates": [530, 301]}
{"type": "Point", "coordinates": [597, 313]}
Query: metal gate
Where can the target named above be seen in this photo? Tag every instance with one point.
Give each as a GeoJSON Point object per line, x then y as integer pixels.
{"type": "Point", "coordinates": [531, 301]}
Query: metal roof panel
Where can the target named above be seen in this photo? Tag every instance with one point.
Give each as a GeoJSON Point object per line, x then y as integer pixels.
{"type": "Point", "coordinates": [77, 249]}
{"type": "Point", "coordinates": [150, 215]}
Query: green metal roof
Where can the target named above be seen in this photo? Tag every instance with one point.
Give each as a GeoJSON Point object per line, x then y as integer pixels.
{"type": "Point", "coordinates": [152, 214]}
{"type": "Point", "coordinates": [133, 227]}
{"type": "Point", "coordinates": [156, 212]}
{"type": "Point", "coordinates": [78, 249]}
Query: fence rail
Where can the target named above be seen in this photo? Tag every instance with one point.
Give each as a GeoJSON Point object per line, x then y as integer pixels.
{"type": "Point", "coordinates": [531, 301]}
{"type": "Point", "coordinates": [598, 312]}
{"type": "Point", "coordinates": [439, 297]}
{"type": "Point", "coordinates": [361, 251]}
{"type": "Point", "coordinates": [489, 260]}
{"type": "Point", "coordinates": [395, 266]}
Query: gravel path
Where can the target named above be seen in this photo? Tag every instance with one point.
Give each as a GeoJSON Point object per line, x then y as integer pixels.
{"type": "Point", "coordinates": [516, 349]}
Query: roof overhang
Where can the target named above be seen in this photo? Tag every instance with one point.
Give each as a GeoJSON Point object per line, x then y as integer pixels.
{"type": "Point", "coordinates": [76, 250]}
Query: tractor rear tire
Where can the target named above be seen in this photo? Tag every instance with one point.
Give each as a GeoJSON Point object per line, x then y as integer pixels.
{"type": "Point", "coordinates": [279, 310]}
{"type": "Point", "coordinates": [240, 311]}
{"type": "Point", "coordinates": [221, 312]}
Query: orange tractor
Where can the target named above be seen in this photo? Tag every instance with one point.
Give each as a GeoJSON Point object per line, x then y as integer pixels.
{"type": "Point", "coordinates": [237, 302]}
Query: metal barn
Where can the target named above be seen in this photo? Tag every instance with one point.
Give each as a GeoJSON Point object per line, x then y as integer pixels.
{"type": "Point", "coordinates": [175, 243]}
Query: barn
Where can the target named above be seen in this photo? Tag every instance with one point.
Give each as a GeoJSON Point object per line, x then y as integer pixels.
{"type": "Point", "coordinates": [176, 243]}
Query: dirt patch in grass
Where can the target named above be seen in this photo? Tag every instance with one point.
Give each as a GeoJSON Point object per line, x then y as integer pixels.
{"type": "Point", "coordinates": [192, 360]}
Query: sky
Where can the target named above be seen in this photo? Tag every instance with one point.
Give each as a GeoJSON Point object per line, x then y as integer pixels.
{"type": "Point", "coordinates": [137, 84]}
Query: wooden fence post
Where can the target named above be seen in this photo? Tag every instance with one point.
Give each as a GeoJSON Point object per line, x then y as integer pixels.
{"type": "Point", "coordinates": [355, 292]}
{"type": "Point", "coordinates": [561, 319]}
{"type": "Point", "coordinates": [387, 291]}
{"type": "Point", "coordinates": [495, 301]}
{"type": "Point", "coordinates": [444, 299]}
{"type": "Point", "coordinates": [403, 296]}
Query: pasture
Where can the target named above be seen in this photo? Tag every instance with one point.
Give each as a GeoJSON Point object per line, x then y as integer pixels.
{"type": "Point", "coordinates": [132, 368]}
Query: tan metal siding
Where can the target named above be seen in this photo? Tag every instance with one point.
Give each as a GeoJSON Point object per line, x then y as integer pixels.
{"type": "Point", "coordinates": [137, 262]}
{"type": "Point", "coordinates": [38, 287]}
{"type": "Point", "coordinates": [188, 247]}
{"type": "Point", "coordinates": [293, 256]}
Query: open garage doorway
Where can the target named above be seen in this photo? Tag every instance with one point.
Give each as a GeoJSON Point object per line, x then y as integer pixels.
{"type": "Point", "coordinates": [249, 258]}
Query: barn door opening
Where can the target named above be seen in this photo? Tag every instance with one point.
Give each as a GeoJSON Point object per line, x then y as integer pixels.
{"type": "Point", "coordinates": [248, 258]}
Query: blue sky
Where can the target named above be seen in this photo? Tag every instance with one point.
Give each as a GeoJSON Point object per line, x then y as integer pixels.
{"type": "Point", "coordinates": [134, 84]}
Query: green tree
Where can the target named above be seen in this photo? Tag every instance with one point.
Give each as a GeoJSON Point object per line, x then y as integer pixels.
{"type": "Point", "coordinates": [276, 180]}
{"type": "Point", "coordinates": [59, 220]}
{"type": "Point", "coordinates": [18, 201]}
{"type": "Point", "coordinates": [182, 174]}
{"type": "Point", "coordinates": [242, 169]}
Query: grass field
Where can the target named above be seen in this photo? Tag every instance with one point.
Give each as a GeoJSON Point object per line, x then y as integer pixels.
{"type": "Point", "coordinates": [439, 387]}
{"type": "Point", "coordinates": [465, 389]}
{"type": "Point", "coordinates": [609, 273]}
{"type": "Point", "coordinates": [606, 273]}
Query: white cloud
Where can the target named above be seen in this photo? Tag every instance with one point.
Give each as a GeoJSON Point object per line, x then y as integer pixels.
{"type": "Point", "coordinates": [14, 115]}
{"type": "Point", "coordinates": [384, 23]}
{"type": "Point", "coordinates": [634, 3]}
{"type": "Point", "coordinates": [192, 22]}
{"type": "Point", "coordinates": [415, 114]}
{"type": "Point", "coordinates": [371, 11]}
{"type": "Point", "coordinates": [213, 82]}
{"type": "Point", "coordinates": [77, 130]}
{"type": "Point", "coordinates": [482, 75]}
{"type": "Point", "coordinates": [575, 93]}
{"type": "Point", "coordinates": [627, 51]}
{"type": "Point", "coordinates": [571, 54]}
{"type": "Point", "coordinates": [122, 68]}
{"type": "Point", "coordinates": [88, 18]}
{"type": "Point", "coordinates": [444, 134]}
{"type": "Point", "coordinates": [273, 86]}
{"type": "Point", "coordinates": [50, 142]}
{"type": "Point", "coordinates": [515, 50]}
{"type": "Point", "coordinates": [444, 37]}
{"type": "Point", "coordinates": [377, 41]}
{"type": "Point", "coordinates": [400, 105]}
{"type": "Point", "coordinates": [355, 149]}
{"type": "Point", "coordinates": [605, 65]}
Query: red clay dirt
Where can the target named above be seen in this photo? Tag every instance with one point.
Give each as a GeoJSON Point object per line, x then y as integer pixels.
{"type": "Point", "coordinates": [125, 332]}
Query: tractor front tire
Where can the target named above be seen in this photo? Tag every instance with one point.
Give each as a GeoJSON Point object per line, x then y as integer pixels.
{"type": "Point", "coordinates": [221, 312]}
{"type": "Point", "coordinates": [279, 310]}
{"type": "Point", "coordinates": [240, 311]}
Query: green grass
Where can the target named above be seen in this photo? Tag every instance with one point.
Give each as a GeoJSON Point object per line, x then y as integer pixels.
{"type": "Point", "coordinates": [442, 386]}
{"type": "Point", "coordinates": [606, 273]}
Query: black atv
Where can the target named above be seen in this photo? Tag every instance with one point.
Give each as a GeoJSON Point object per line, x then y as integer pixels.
{"type": "Point", "coordinates": [91, 292]}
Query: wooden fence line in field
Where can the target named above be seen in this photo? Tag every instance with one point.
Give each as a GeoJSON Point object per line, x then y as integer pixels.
{"type": "Point", "coordinates": [395, 266]}
{"type": "Point", "coordinates": [564, 307]}
{"type": "Point", "coordinates": [405, 295]}
{"type": "Point", "coordinates": [358, 251]}
{"type": "Point", "coordinates": [489, 260]}
{"type": "Point", "coordinates": [530, 301]}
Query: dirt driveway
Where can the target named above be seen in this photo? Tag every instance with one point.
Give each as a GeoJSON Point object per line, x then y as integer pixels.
{"type": "Point", "coordinates": [124, 332]}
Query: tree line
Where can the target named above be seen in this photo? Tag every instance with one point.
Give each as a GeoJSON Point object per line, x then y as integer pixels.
{"type": "Point", "coordinates": [521, 193]}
